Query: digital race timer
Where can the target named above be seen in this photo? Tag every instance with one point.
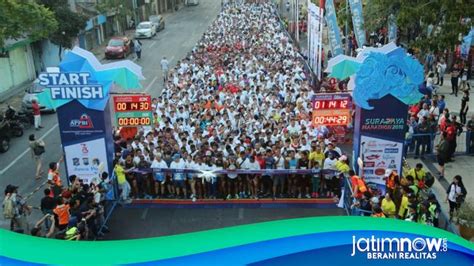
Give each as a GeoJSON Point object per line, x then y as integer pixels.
{"type": "Point", "coordinates": [133, 110]}
{"type": "Point", "coordinates": [332, 109]}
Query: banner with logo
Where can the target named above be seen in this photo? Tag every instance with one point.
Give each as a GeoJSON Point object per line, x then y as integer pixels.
{"type": "Point", "coordinates": [314, 37]}
{"type": "Point", "coordinates": [334, 33]}
{"type": "Point", "coordinates": [358, 21]}
{"type": "Point", "coordinates": [86, 159]}
{"type": "Point", "coordinates": [334, 240]}
{"type": "Point", "coordinates": [80, 93]}
{"type": "Point", "coordinates": [378, 155]}
{"type": "Point", "coordinates": [379, 136]}
{"type": "Point", "coordinates": [392, 28]}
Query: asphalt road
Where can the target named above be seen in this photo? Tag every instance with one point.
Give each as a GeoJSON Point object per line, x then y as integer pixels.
{"type": "Point", "coordinates": [151, 222]}
{"type": "Point", "coordinates": [183, 29]}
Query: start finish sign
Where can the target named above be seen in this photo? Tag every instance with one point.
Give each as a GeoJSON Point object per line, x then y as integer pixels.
{"type": "Point", "coordinates": [332, 109]}
{"type": "Point", "coordinates": [69, 86]}
{"type": "Point", "coordinates": [133, 110]}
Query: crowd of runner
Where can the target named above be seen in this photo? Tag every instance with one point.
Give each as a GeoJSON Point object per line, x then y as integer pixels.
{"type": "Point", "coordinates": [240, 100]}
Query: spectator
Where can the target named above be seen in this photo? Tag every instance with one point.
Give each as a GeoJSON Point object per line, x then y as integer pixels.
{"type": "Point", "coordinates": [442, 152]}
{"type": "Point", "coordinates": [456, 195]}
{"type": "Point", "coordinates": [37, 150]}
{"type": "Point", "coordinates": [388, 206]}
{"type": "Point", "coordinates": [470, 130]}
{"type": "Point", "coordinates": [37, 230]}
{"type": "Point", "coordinates": [36, 114]}
{"type": "Point", "coordinates": [48, 204]}
{"type": "Point", "coordinates": [455, 72]}
{"type": "Point", "coordinates": [464, 107]}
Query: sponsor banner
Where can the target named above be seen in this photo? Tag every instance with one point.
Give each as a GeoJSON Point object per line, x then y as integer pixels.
{"type": "Point", "coordinates": [378, 155]}
{"type": "Point", "coordinates": [358, 21]}
{"type": "Point", "coordinates": [334, 33]}
{"type": "Point", "coordinates": [314, 38]}
{"type": "Point", "coordinates": [87, 160]}
{"type": "Point", "coordinates": [336, 240]}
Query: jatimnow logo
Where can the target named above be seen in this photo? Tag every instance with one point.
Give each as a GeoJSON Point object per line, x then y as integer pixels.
{"type": "Point", "coordinates": [385, 248]}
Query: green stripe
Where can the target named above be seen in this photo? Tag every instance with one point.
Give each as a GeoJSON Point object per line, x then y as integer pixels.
{"type": "Point", "coordinates": [150, 249]}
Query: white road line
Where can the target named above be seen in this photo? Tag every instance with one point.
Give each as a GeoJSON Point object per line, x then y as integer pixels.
{"type": "Point", "coordinates": [153, 43]}
{"type": "Point", "coordinates": [151, 83]}
{"type": "Point", "coordinates": [241, 213]}
{"type": "Point", "coordinates": [145, 212]}
{"type": "Point", "coordinates": [27, 150]}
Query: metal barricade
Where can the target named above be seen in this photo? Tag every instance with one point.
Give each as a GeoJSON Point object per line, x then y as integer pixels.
{"type": "Point", "coordinates": [417, 142]}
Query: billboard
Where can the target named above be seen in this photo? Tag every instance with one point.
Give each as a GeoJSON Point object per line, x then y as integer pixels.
{"type": "Point", "coordinates": [378, 155]}
{"type": "Point", "coordinates": [87, 160]}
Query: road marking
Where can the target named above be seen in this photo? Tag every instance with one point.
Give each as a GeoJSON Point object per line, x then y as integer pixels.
{"type": "Point", "coordinates": [241, 213]}
{"type": "Point", "coordinates": [145, 212]}
{"type": "Point", "coordinates": [153, 43]}
{"type": "Point", "coordinates": [27, 150]}
{"type": "Point", "coordinates": [151, 83]}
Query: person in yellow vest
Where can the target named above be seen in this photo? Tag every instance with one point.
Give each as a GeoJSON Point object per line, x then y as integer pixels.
{"type": "Point", "coordinates": [388, 206]}
{"type": "Point", "coordinates": [316, 155]}
{"type": "Point", "coordinates": [419, 174]}
{"type": "Point", "coordinates": [402, 210]}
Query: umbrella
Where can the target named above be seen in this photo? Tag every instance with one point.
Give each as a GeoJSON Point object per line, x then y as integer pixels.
{"type": "Point", "coordinates": [345, 69]}
{"type": "Point", "coordinates": [336, 60]}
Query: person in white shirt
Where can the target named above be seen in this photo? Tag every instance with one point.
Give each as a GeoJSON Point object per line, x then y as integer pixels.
{"type": "Point", "coordinates": [159, 176]}
{"type": "Point", "coordinates": [252, 179]}
{"type": "Point", "coordinates": [279, 179]}
{"type": "Point", "coordinates": [179, 176]}
{"type": "Point", "coordinates": [456, 194]}
{"type": "Point", "coordinates": [329, 164]}
{"type": "Point", "coordinates": [425, 112]}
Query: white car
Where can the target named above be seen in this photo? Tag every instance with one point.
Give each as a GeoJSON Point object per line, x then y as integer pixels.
{"type": "Point", "coordinates": [145, 29]}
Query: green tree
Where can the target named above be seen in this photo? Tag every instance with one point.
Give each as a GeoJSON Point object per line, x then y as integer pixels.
{"type": "Point", "coordinates": [430, 25]}
{"type": "Point", "coordinates": [20, 19]}
{"type": "Point", "coordinates": [70, 23]}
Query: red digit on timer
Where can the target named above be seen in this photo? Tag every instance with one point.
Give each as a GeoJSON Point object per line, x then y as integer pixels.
{"type": "Point", "coordinates": [344, 104]}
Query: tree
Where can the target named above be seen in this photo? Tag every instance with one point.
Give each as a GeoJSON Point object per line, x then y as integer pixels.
{"type": "Point", "coordinates": [70, 23]}
{"type": "Point", "coordinates": [19, 19]}
{"type": "Point", "coordinates": [430, 25]}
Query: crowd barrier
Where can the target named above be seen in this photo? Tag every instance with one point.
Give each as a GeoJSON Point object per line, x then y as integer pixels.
{"type": "Point", "coordinates": [464, 143]}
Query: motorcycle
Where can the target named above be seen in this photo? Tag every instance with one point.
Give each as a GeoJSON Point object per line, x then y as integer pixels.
{"type": "Point", "coordinates": [26, 119]}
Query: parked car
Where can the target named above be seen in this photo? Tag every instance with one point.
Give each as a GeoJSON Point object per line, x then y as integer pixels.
{"type": "Point", "coordinates": [32, 93]}
{"type": "Point", "coordinates": [192, 2]}
{"type": "Point", "coordinates": [145, 29]}
{"type": "Point", "coordinates": [159, 22]}
{"type": "Point", "coordinates": [118, 47]}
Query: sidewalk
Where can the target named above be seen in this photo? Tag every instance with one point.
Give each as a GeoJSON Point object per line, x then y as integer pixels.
{"type": "Point", "coordinates": [463, 164]}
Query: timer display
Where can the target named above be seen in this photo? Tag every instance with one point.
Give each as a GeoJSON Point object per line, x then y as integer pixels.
{"type": "Point", "coordinates": [332, 109]}
{"type": "Point", "coordinates": [133, 121]}
{"type": "Point", "coordinates": [128, 103]}
{"type": "Point", "coordinates": [331, 120]}
{"type": "Point", "coordinates": [133, 110]}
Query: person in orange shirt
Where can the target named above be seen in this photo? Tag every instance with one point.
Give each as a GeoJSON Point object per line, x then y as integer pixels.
{"type": "Point", "coordinates": [62, 213]}
{"type": "Point", "coordinates": [54, 179]}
